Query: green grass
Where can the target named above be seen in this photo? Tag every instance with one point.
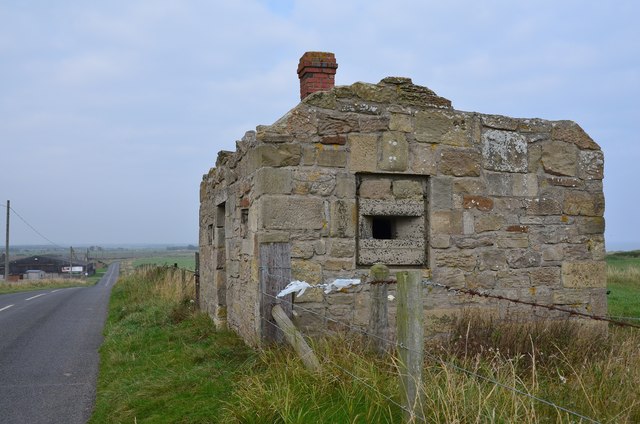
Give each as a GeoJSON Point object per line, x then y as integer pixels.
{"type": "Point", "coordinates": [161, 361]}
{"type": "Point", "coordinates": [623, 282]}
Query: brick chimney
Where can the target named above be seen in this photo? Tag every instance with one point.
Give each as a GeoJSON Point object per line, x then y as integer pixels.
{"type": "Point", "coordinates": [316, 71]}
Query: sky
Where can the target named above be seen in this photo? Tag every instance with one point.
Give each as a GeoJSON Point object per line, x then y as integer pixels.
{"type": "Point", "coordinates": [111, 112]}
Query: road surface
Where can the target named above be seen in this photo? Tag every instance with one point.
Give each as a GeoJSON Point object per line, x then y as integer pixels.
{"type": "Point", "coordinates": [49, 342]}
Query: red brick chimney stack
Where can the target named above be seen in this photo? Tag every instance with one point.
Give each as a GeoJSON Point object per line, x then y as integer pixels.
{"type": "Point", "coordinates": [316, 71]}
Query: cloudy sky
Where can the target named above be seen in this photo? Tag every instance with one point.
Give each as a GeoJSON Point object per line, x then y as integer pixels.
{"type": "Point", "coordinates": [110, 112]}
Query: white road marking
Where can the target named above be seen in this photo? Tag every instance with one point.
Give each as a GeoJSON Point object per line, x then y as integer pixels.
{"type": "Point", "coordinates": [38, 295]}
{"type": "Point", "coordinates": [55, 290]}
{"type": "Point", "coordinates": [6, 307]}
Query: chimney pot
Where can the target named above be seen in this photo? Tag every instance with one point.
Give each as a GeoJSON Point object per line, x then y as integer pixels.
{"type": "Point", "coordinates": [316, 71]}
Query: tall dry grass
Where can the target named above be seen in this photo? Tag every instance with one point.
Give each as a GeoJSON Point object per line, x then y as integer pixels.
{"type": "Point", "coordinates": [616, 274]}
{"type": "Point", "coordinates": [592, 373]}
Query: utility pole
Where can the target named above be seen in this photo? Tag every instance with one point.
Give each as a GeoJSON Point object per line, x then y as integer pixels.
{"type": "Point", "coordinates": [6, 246]}
{"type": "Point", "coordinates": [70, 261]}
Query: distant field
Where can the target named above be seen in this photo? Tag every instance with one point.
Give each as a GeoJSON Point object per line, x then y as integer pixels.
{"type": "Point", "coordinates": [186, 260]}
{"type": "Point", "coordinates": [623, 282]}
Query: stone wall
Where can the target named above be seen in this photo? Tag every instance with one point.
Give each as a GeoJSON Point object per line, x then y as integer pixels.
{"type": "Point", "coordinates": [391, 172]}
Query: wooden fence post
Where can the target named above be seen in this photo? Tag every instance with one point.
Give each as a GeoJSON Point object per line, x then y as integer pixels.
{"type": "Point", "coordinates": [197, 277]}
{"type": "Point", "coordinates": [295, 339]}
{"type": "Point", "coordinates": [379, 319]}
{"type": "Point", "coordinates": [411, 343]}
{"type": "Point", "coordinates": [275, 274]}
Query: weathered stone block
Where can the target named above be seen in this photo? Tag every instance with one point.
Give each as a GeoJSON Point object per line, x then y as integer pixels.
{"type": "Point", "coordinates": [342, 248]}
{"type": "Point", "coordinates": [271, 155]}
{"type": "Point", "coordinates": [583, 203]}
{"type": "Point", "coordinates": [570, 132]}
{"type": "Point", "coordinates": [423, 158]}
{"type": "Point", "coordinates": [345, 186]}
{"type": "Point", "coordinates": [460, 162]}
{"type": "Point", "coordinates": [441, 189]}
{"type": "Point", "coordinates": [407, 189]}
{"type": "Point", "coordinates": [442, 127]}
{"type": "Point", "coordinates": [504, 151]}
{"type": "Point", "coordinates": [525, 185]}
{"type": "Point", "coordinates": [590, 225]}
{"type": "Point", "coordinates": [305, 270]}
{"type": "Point", "coordinates": [481, 279]}
{"type": "Point", "coordinates": [338, 264]}
{"type": "Point", "coordinates": [332, 156]}
{"type": "Point", "coordinates": [520, 258]}
{"type": "Point", "coordinates": [363, 156]}
{"type": "Point", "coordinates": [339, 139]}
{"type": "Point", "coordinates": [391, 252]}
{"type": "Point", "coordinates": [477, 202]}
{"type": "Point", "coordinates": [473, 242]}
{"type": "Point", "coordinates": [545, 276]}
{"type": "Point", "coordinates": [584, 274]}
{"type": "Point", "coordinates": [513, 240]}
{"type": "Point", "coordinates": [543, 206]}
{"type": "Point", "coordinates": [292, 212]}
{"type": "Point", "coordinates": [467, 223]}
{"type": "Point", "coordinates": [552, 253]}
{"type": "Point", "coordinates": [375, 189]}
{"type": "Point", "coordinates": [591, 165]}
{"type": "Point", "coordinates": [404, 207]}
{"type": "Point", "coordinates": [446, 222]}
{"type": "Point", "coordinates": [394, 152]}
{"type": "Point", "coordinates": [492, 259]}
{"type": "Point", "coordinates": [440, 241]}
{"type": "Point", "coordinates": [500, 122]}
{"type": "Point", "coordinates": [272, 181]}
{"type": "Point", "coordinates": [513, 278]}
{"type": "Point", "coordinates": [303, 250]}
{"type": "Point", "coordinates": [455, 259]}
{"type": "Point", "coordinates": [337, 123]}
{"type": "Point", "coordinates": [454, 277]}
{"type": "Point", "coordinates": [559, 158]}
{"type": "Point", "coordinates": [308, 157]}
{"type": "Point", "coordinates": [488, 222]}
{"type": "Point", "coordinates": [343, 218]}
{"type": "Point", "coordinates": [401, 122]}
{"type": "Point", "coordinates": [314, 182]}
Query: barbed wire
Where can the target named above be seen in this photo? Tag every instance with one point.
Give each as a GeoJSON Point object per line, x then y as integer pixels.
{"type": "Point", "coordinates": [354, 376]}
{"type": "Point", "coordinates": [486, 294]}
{"type": "Point", "coordinates": [436, 359]}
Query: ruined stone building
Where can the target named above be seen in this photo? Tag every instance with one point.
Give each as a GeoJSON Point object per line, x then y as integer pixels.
{"type": "Point", "coordinates": [392, 173]}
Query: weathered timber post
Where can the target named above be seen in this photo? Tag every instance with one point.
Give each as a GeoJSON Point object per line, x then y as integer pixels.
{"type": "Point", "coordinates": [411, 343]}
{"type": "Point", "coordinates": [379, 319]}
{"type": "Point", "coordinates": [295, 339]}
{"type": "Point", "coordinates": [183, 286]}
{"type": "Point", "coordinates": [275, 274]}
{"type": "Point", "coordinates": [197, 278]}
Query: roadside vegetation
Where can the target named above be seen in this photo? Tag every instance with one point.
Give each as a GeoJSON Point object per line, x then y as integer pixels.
{"type": "Point", "coordinates": [32, 285]}
{"type": "Point", "coordinates": [162, 361]}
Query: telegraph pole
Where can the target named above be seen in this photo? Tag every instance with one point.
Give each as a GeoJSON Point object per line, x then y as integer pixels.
{"type": "Point", "coordinates": [6, 246]}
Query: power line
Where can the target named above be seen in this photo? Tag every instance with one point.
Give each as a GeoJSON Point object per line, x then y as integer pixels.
{"type": "Point", "coordinates": [33, 228]}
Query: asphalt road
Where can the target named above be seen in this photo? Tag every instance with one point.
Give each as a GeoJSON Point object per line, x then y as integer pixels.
{"type": "Point", "coordinates": [49, 344]}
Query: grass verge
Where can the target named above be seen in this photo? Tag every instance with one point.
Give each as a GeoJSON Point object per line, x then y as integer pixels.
{"type": "Point", "coordinates": [42, 285]}
{"type": "Point", "coordinates": [161, 361]}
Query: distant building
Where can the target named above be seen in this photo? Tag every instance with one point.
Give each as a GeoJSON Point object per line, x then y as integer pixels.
{"type": "Point", "coordinates": [54, 266]}
{"type": "Point", "coordinates": [34, 274]}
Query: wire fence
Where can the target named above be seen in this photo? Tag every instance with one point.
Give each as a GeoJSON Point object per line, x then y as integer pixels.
{"type": "Point", "coordinates": [324, 317]}
{"type": "Point", "coordinates": [449, 364]}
